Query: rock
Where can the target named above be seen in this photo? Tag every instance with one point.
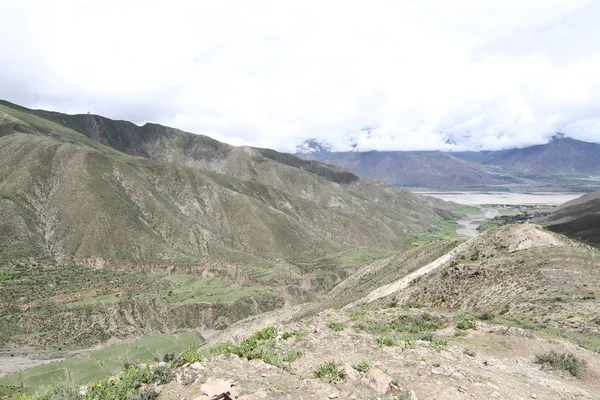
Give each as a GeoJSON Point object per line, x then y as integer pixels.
{"type": "Point", "coordinates": [215, 386]}
{"type": "Point", "coordinates": [197, 366]}
{"type": "Point", "coordinates": [469, 352]}
{"type": "Point", "coordinates": [413, 395]}
{"type": "Point", "coordinates": [458, 376]}
{"type": "Point", "coordinates": [438, 371]}
{"type": "Point", "coordinates": [82, 390]}
{"type": "Point", "coordinates": [351, 373]}
{"type": "Point", "coordinates": [378, 380]}
{"type": "Point", "coordinates": [534, 396]}
{"type": "Point", "coordinates": [334, 395]}
{"type": "Point", "coordinates": [161, 364]}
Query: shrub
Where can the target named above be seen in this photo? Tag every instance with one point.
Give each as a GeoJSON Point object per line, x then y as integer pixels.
{"type": "Point", "coordinates": [566, 361]}
{"type": "Point", "coordinates": [427, 336]}
{"type": "Point", "coordinates": [189, 356]}
{"type": "Point", "coordinates": [487, 316]}
{"type": "Point", "coordinates": [465, 322]}
{"type": "Point", "coordinates": [336, 326]}
{"type": "Point", "coordinates": [331, 372]}
{"type": "Point", "coordinates": [362, 366]}
{"type": "Point", "coordinates": [386, 341]}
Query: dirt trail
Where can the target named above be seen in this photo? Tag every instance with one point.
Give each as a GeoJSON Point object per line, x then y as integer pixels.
{"type": "Point", "coordinates": [404, 282]}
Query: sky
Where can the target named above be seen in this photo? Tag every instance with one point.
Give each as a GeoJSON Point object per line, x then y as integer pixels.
{"type": "Point", "coordinates": [365, 75]}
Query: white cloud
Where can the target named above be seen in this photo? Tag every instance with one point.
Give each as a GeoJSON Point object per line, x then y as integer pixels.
{"type": "Point", "coordinates": [491, 74]}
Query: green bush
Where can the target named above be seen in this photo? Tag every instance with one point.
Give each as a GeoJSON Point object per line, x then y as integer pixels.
{"type": "Point", "coordinates": [566, 361]}
{"type": "Point", "coordinates": [465, 322]}
{"type": "Point", "coordinates": [331, 372]}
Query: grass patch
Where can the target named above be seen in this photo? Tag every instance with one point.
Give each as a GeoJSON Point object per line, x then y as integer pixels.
{"type": "Point", "coordinates": [385, 341]}
{"type": "Point", "coordinates": [330, 371]}
{"type": "Point", "coordinates": [336, 326]}
{"type": "Point", "coordinates": [362, 366]}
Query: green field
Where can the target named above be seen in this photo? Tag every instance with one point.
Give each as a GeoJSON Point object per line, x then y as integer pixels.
{"type": "Point", "coordinates": [444, 230]}
{"type": "Point", "coordinates": [96, 365]}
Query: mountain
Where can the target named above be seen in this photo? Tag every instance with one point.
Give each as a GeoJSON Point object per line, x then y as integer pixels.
{"type": "Point", "coordinates": [66, 195]}
{"type": "Point", "coordinates": [408, 168]}
{"type": "Point", "coordinates": [560, 156]}
{"type": "Point", "coordinates": [579, 219]}
{"type": "Point", "coordinates": [168, 230]}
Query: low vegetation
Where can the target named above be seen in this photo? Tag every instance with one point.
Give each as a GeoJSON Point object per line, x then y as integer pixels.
{"type": "Point", "coordinates": [386, 341]}
{"type": "Point", "coordinates": [336, 326]}
{"type": "Point", "coordinates": [330, 372]}
{"type": "Point", "coordinates": [465, 322]}
{"type": "Point", "coordinates": [134, 383]}
{"type": "Point", "coordinates": [565, 361]}
{"type": "Point", "coordinates": [362, 366]}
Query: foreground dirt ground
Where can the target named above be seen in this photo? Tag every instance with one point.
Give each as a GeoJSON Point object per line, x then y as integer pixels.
{"type": "Point", "coordinates": [488, 362]}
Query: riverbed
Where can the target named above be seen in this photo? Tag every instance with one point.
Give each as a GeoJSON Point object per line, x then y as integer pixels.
{"type": "Point", "coordinates": [492, 203]}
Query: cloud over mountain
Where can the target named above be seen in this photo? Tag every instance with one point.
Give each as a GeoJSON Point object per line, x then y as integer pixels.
{"type": "Point", "coordinates": [380, 75]}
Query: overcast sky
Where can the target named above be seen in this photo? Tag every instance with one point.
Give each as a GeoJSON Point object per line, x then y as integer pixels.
{"type": "Point", "coordinates": [384, 75]}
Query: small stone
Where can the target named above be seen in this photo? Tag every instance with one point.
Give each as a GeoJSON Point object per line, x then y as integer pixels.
{"type": "Point", "coordinates": [334, 395]}
{"type": "Point", "coordinates": [413, 395]}
{"type": "Point", "coordinates": [438, 371]}
{"type": "Point", "coordinates": [197, 366]}
{"type": "Point", "coordinates": [534, 396]}
{"type": "Point", "coordinates": [264, 375]}
{"type": "Point", "coordinates": [462, 389]}
{"type": "Point", "coordinates": [458, 376]}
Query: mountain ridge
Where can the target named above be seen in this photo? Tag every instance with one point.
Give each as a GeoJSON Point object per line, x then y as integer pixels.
{"type": "Point", "coordinates": [301, 203]}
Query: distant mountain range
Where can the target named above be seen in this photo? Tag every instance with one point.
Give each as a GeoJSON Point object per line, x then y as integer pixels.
{"type": "Point", "coordinates": [410, 168]}
{"type": "Point", "coordinates": [561, 156]}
